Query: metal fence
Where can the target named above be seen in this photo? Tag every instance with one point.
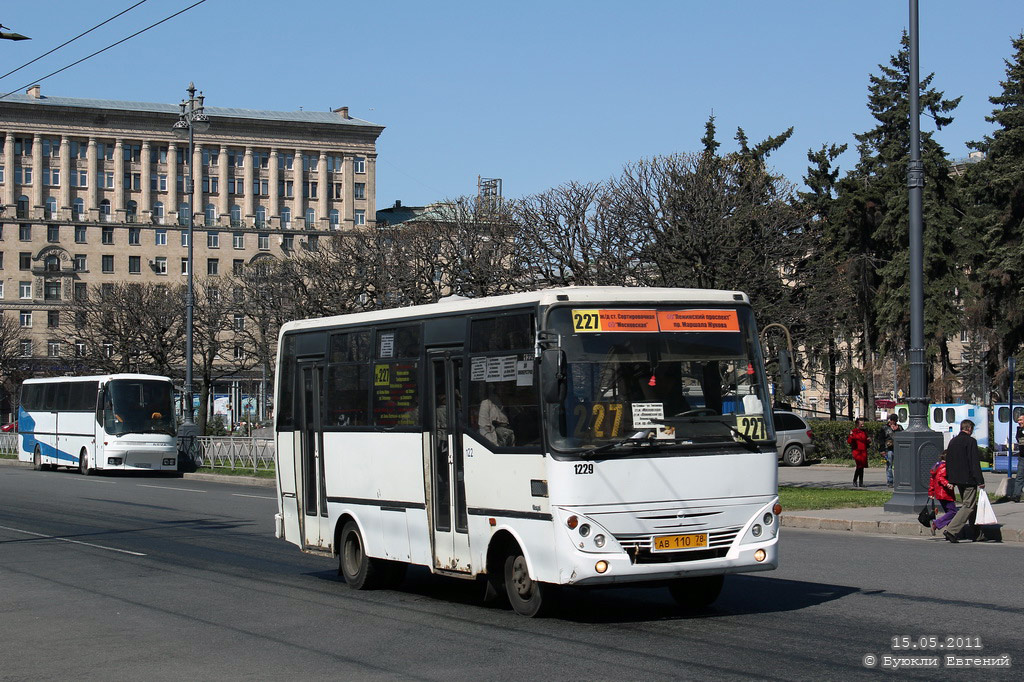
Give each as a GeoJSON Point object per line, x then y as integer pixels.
{"type": "Point", "coordinates": [234, 452]}
{"type": "Point", "coordinates": [9, 442]}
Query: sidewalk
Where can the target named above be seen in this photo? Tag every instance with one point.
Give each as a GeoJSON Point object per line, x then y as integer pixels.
{"type": "Point", "coordinates": [876, 519]}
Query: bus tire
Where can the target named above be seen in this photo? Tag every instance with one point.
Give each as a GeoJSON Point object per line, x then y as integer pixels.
{"type": "Point", "coordinates": [527, 596]}
{"type": "Point", "coordinates": [83, 463]}
{"type": "Point", "coordinates": [697, 593]}
{"type": "Point", "coordinates": [359, 571]}
{"type": "Point", "coordinates": [37, 460]}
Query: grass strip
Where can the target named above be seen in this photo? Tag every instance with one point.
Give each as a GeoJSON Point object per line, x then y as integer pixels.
{"type": "Point", "coordinates": [224, 471]}
{"type": "Point", "coordinates": [797, 498]}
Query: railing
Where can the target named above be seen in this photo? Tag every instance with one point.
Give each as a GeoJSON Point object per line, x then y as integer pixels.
{"type": "Point", "coordinates": [9, 442]}
{"type": "Point", "coordinates": [234, 452]}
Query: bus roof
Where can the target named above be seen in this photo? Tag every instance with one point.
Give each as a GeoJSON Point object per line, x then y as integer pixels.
{"type": "Point", "coordinates": [583, 295]}
{"type": "Point", "coordinates": [95, 377]}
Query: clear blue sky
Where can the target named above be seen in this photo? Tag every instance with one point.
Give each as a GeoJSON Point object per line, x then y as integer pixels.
{"type": "Point", "coordinates": [537, 93]}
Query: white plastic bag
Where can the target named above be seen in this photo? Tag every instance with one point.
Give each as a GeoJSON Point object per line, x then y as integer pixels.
{"type": "Point", "coordinates": [986, 516]}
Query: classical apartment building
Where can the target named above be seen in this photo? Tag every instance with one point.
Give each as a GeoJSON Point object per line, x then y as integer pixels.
{"type": "Point", "coordinates": [95, 191]}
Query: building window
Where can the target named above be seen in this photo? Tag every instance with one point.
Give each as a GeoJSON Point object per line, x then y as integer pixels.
{"type": "Point", "coordinates": [261, 216]}
{"type": "Point", "coordinates": [80, 291]}
{"type": "Point", "coordinates": [79, 178]}
{"type": "Point", "coordinates": [108, 264]}
{"type": "Point", "coordinates": [134, 235]}
{"type": "Point", "coordinates": [79, 232]}
{"type": "Point", "coordinates": [236, 216]}
{"type": "Point", "coordinates": [158, 212]}
{"type": "Point", "coordinates": [210, 214]}
{"type": "Point", "coordinates": [239, 353]}
{"type": "Point", "coordinates": [285, 161]}
{"type": "Point", "coordinates": [160, 237]}
{"type": "Point", "coordinates": [237, 266]}
{"type": "Point", "coordinates": [51, 177]}
{"type": "Point", "coordinates": [184, 237]}
{"type": "Point", "coordinates": [53, 349]}
{"type": "Point", "coordinates": [25, 318]}
{"type": "Point", "coordinates": [239, 322]}
{"type": "Point", "coordinates": [26, 348]}
{"type": "Point", "coordinates": [358, 164]}
{"type": "Point", "coordinates": [184, 266]}
{"type": "Point", "coordinates": [287, 242]}
{"type": "Point", "coordinates": [359, 217]}
{"type": "Point", "coordinates": [286, 217]}
{"type": "Point", "coordinates": [359, 190]}
{"type": "Point", "coordinates": [213, 294]}
{"type": "Point", "coordinates": [160, 265]}
{"type": "Point", "coordinates": [263, 241]}
{"type": "Point", "coordinates": [25, 290]}
{"type": "Point", "coordinates": [213, 240]}
{"type": "Point", "coordinates": [108, 350]}
{"type": "Point", "coordinates": [334, 217]}
{"type": "Point", "coordinates": [51, 291]}
{"type": "Point", "coordinates": [24, 260]}
{"type": "Point", "coordinates": [310, 217]}
{"type": "Point", "coordinates": [105, 210]}
{"type": "Point", "coordinates": [52, 319]}
{"type": "Point", "coordinates": [80, 262]}
{"type": "Point", "coordinates": [106, 291]}
{"type": "Point", "coordinates": [25, 233]}
{"type": "Point", "coordinates": [212, 267]}
{"type": "Point", "coordinates": [53, 233]}
{"type": "Point", "coordinates": [22, 176]}
{"type": "Point", "coordinates": [107, 236]}
{"type": "Point", "coordinates": [238, 240]}
{"type": "Point", "coordinates": [334, 164]}
{"type": "Point", "coordinates": [132, 152]}
{"type": "Point", "coordinates": [79, 349]}
{"type": "Point", "coordinates": [309, 190]}
{"type": "Point", "coordinates": [134, 265]}
{"type": "Point", "coordinates": [23, 146]}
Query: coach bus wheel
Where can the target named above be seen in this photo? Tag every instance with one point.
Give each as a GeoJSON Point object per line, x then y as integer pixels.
{"type": "Point", "coordinates": [359, 571]}
{"type": "Point", "coordinates": [527, 596]}
{"type": "Point", "coordinates": [37, 460]}
{"type": "Point", "coordinates": [83, 463]}
{"type": "Point", "coordinates": [697, 593]}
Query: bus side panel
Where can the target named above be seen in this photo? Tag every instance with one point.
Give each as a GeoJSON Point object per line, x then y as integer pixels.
{"type": "Point", "coordinates": [77, 431]}
{"type": "Point", "coordinates": [285, 465]}
{"type": "Point", "coordinates": [37, 430]}
{"type": "Point", "coordinates": [386, 468]}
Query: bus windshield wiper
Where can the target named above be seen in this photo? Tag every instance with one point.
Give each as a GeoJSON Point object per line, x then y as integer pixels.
{"type": "Point", "coordinates": [640, 441]}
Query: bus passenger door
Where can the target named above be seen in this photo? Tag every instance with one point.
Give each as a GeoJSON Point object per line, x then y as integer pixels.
{"type": "Point", "coordinates": [312, 494]}
{"type": "Point", "coordinates": [450, 530]}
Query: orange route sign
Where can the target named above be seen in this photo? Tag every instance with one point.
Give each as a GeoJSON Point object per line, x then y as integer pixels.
{"type": "Point", "coordinates": [698, 321]}
{"type": "Point", "coordinates": [614, 321]}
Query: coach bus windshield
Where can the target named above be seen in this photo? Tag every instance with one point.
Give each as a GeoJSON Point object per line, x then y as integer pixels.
{"type": "Point", "coordinates": [138, 406]}
{"type": "Point", "coordinates": [659, 376]}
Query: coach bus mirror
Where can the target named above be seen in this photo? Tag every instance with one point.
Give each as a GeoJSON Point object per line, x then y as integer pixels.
{"type": "Point", "coordinates": [790, 380]}
{"type": "Point", "coordinates": [552, 375]}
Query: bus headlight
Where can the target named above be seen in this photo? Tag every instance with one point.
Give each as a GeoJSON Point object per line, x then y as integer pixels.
{"type": "Point", "coordinates": [585, 530]}
{"type": "Point", "coordinates": [768, 519]}
{"type": "Point", "coordinates": [114, 461]}
{"type": "Point", "coordinates": [168, 461]}
{"type": "Point", "coordinates": [599, 540]}
{"type": "Point", "coordinates": [756, 530]}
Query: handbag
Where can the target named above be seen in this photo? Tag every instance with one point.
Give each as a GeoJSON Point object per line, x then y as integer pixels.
{"type": "Point", "coordinates": [986, 515]}
{"type": "Point", "coordinates": [927, 514]}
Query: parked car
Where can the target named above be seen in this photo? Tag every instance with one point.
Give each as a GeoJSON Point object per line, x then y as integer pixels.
{"type": "Point", "coordinates": [13, 426]}
{"type": "Point", "coordinates": [795, 438]}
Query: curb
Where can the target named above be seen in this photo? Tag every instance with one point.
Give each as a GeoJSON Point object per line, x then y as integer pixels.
{"type": "Point", "coordinates": [901, 528]}
{"type": "Point", "coordinates": [253, 481]}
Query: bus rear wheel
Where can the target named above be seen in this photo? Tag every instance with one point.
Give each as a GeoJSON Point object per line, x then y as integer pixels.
{"type": "Point", "coordinates": [359, 570]}
{"type": "Point", "coordinates": [37, 460]}
{"type": "Point", "coordinates": [697, 593]}
{"type": "Point", "coordinates": [83, 463]}
{"type": "Point", "coordinates": [527, 596]}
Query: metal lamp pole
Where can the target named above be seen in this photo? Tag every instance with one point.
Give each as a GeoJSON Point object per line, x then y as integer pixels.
{"type": "Point", "coordinates": [191, 119]}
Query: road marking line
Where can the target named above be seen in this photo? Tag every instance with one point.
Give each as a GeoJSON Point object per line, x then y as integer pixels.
{"type": "Point", "coordinates": [76, 542]}
{"type": "Point", "coordinates": [164, 487]}
{"type": "Point", "coordinates": [255, 497]}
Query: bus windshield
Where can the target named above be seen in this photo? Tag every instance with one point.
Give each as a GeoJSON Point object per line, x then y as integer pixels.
{"type": "Point", "coordinates": [138, 406]}
{"type": "Point", "coordinates": [671, 376]}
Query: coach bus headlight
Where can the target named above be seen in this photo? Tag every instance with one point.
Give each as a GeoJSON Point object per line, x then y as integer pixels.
{"type": "Point", "coordinates": [756, 530]}
{"type": "Point", "coordinates": [114, 461]}
{"type": "Point", "coordinates": [168, 461]}
{"type": "Point", "coordinates": [768, 519]}
{"type": "Point", "coordinates": [759, 555]}
{"type": "Point", "coordinates": [585, 530]}
{"type": "Point", "coordinates": [599, 540]}
{"type": "Point", "coordinates": [601, 566]}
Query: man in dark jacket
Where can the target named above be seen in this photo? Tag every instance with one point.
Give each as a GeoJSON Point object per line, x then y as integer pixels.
{"type": "Point", "coordinates": [963, 469]}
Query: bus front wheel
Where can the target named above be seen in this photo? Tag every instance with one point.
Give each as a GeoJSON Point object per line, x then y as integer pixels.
{"type": "Point", "coordinates": [527, 596]}
{"type": "Point", "coordinates": [359, 570]}
{"type": "Point", "coordinates": [697, 593]}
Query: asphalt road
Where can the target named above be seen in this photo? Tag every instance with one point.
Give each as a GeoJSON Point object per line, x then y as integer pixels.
{"type": "Point", "coordinates": [162, 578]}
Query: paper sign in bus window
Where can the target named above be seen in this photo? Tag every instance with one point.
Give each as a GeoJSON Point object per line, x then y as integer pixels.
{"type": "Point", "coordinates": [643, 413]}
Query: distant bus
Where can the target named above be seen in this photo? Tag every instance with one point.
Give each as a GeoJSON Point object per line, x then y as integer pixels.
{"type": "Point", "coordinates": [113, 421]}
{"type": "Point", "coordinates": [583, 435]}
{"type": "Point", "coordinates": [1003, 422]}
{"type": "Point", "coordinates": [945, 418]}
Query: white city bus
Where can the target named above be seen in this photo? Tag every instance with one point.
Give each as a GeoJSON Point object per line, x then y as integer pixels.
{"type": "Point", "coordinates": [113, 421]}
{"type": "Point", "coordinates": [575, 436]}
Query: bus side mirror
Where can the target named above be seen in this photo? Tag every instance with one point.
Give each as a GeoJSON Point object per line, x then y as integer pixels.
{"type": "Point", "coordinates": [552, 375]}
{"type": "Point", "coordinates": [790, 380]}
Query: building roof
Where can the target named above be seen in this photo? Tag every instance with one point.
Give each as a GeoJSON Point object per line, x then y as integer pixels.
{"type": "Point", "coordinates": [328, 117]}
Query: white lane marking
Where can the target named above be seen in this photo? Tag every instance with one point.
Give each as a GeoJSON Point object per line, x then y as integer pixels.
{"type": "Point", "coordinates": [165, 487]}
{"type": "Point", "coordinates": [255, 497]}
{"type": "Point", "coordinates": [91, 479]}
{"type": "Point", "coordinates": [76, 542]}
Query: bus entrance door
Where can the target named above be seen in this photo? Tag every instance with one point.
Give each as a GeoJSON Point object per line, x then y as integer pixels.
{"type": "Point", "coordinates": [310, 378]}
{"type": "Point", "coordinates": [449, 521]}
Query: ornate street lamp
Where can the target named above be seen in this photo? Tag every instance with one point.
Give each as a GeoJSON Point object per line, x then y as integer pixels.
{"type": "Point", "coordinates": [191, 119]}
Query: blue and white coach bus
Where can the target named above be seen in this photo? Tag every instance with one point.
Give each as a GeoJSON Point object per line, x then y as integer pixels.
{"type": "Point", "coordinates": [583, 436]}
{"type": "Point", "coordinates": [112, 421]}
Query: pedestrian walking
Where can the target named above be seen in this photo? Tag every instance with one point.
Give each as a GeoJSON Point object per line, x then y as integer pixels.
{"type": "Point", "coordinates": [942, 491]}
{"type": "Point", "coordinates": [963, 469]}
{"type": "Point", "coordinates": [859, 441]}
{"type": "Point", "coordinates": [892, 425]}
{"type": "Point", "coordinates": [1018, 483]}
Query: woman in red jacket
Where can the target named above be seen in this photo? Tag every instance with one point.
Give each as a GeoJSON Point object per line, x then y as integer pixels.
{"type": "Point", "coordinates": [859, 441]}
{"type": "Point", "coordinates": [942, 490]}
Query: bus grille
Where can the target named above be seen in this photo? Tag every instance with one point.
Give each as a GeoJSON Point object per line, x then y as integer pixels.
{"type": "Point", "coordinates": [638, 547]}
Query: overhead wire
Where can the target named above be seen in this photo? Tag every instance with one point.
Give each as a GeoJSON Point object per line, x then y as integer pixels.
{"type": "Point", "coordinates": [97, 52]}
{"type": "Point", "coordinates": [84, 33]}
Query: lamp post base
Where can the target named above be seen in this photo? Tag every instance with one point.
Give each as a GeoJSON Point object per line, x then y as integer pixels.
{"type": "Point", "coordinates": [915, 451]}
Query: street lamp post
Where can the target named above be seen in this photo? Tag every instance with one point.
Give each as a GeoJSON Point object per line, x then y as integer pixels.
{"type": "Point", "coordinates": [191, 119]}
